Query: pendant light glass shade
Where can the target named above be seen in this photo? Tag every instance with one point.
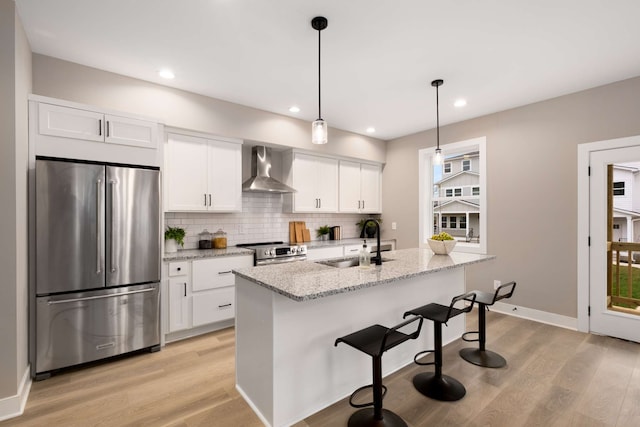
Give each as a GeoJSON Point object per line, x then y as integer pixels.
{"type": "Point", "coordinates": [319, 132]}
{"type": "Point", "coordinates": [437, 158]}
{"type": "Point", "coordinates": [319, 127]}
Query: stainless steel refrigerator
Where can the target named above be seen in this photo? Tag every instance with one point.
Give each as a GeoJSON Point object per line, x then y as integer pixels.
{"type": "Point", "coordinates": [97, 269]}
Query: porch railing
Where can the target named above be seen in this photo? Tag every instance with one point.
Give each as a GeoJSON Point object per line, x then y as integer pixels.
{"type": "Point", "coordinates": [623, 278]}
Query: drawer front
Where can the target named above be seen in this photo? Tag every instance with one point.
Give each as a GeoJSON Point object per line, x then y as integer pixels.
{"type": "Point", "coordinates": [352, 250]}
{"type": "Point", "coordinates": [216, 273]}
{"type": "Point", "coordinates": [214, 306]}
{"type": "Point", "coordinates": [178, 268]}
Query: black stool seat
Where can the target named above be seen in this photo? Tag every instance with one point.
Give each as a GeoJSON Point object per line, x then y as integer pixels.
{"type": "Point", "coordinates": [374, 341]}
{"type": "Point", "coordinates": [481, 356]}
{"type": "Point", "coordinates": [434, 384]}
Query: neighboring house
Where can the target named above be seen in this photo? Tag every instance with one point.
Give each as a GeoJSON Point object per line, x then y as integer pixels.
{"type": "Point", "coordinates": [626, 202]}
{"type": "Point", "coordinates": [456, 195]}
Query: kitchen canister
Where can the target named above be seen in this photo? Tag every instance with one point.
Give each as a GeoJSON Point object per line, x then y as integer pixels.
{"type": "Point", "coordinates": [219, 239]}
{"type": "Point", "coordinates": [204, 240]}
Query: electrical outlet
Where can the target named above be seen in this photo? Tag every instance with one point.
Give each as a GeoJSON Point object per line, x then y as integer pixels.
{"type": "Point", "coordinates": [496, 284]}
{"type": "Point", "coordinates": [394, 225]}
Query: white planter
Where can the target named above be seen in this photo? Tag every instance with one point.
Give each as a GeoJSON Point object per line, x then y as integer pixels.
{"type": "Point", "coordinates": [170, 246]}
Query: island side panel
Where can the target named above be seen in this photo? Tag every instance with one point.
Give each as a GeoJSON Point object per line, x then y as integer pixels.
{"type": "Point", "coordinates": [254, 347]}
{"type": "Point", "coordinates": [311, 374]}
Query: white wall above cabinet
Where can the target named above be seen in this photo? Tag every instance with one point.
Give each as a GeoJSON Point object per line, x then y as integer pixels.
{"type": "Point", "coordinates": [203, 174]}
{"type": "Point", "coordinates": [360, 187]}
{"type": "Point", "coordinates": [315, 179]}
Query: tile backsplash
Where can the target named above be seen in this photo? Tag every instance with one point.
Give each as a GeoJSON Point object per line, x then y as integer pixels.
{"type": "Point", "coordinates": [262, 219]}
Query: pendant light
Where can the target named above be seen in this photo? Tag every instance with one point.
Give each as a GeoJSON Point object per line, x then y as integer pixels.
{"type": "Point", "coordinates": [437, 160]}
{"type": "Point", "coordinates": [319, 127]}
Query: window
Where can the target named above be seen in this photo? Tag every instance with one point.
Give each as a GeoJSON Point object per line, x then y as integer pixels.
{"type": "Point", "coordinates": [618, 188]}
{"type": "Point", "coordinates": [471, 202]}
{"type": "Point", "coordinates": [616, 226]}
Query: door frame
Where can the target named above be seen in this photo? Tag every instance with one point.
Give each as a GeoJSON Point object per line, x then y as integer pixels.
{"type": "Point", "coordinates": [584, 153]}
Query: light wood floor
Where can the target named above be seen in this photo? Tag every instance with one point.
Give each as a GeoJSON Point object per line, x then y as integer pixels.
{"type": "Point", "coordinates": [554, 377]}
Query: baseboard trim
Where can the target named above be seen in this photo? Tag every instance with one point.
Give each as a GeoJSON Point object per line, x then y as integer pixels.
{"type": "Point", "coordinates": [536, 315]}
{"type": "Point", "coordinates": [13, 406]}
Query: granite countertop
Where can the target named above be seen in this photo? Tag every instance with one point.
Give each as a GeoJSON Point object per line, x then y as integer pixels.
{"type": "Point", "coordinates": [190, 254]}
{"type": "Point", "coordinates": [306, 280]}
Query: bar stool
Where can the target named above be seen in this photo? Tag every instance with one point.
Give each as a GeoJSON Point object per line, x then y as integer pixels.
{"type": "Point", "coordinates": [481, 356]}
{"type": "Point", "coordinates": [374, 341]}
{"type": "Point", "coordinates": [434, 384]}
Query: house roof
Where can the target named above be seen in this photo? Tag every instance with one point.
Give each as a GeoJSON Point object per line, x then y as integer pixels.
{"type": "Point", "coordinates": [449, 177]}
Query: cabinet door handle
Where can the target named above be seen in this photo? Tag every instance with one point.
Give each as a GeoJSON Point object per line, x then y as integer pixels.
{"type": "Point", "coordinates": [185, 289]}
{"type": "Point", "coordinates": [205, 199]}
{"type": "Point", "coordinates": [209, 199]}
{"type": "Point", "coordinates": [108, 128]}
{"type": "Point", "coordinates": [359, 204]}
{"type": "Point", "coordinates": [100, 127]}
{"type": "Point", "coordinates": [224, 272]}
{"type": "Point", "coordinates": [320, 203]}
{"type": "Point", "coordinates": [179, 268]}
{"type": "Point", "coordinates": [224, 305]}
{"type": "Point", "coordinates": [363, 204]}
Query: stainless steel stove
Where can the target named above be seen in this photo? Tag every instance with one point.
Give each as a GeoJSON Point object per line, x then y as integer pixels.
{"type": "Point", "coordinates": [276, 252]}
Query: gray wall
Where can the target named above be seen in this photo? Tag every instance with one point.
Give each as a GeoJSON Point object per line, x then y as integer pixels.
{"type": "Point", "coordinates": [15, 84]}
{"type": "Point", "coordinates": [532, 186]}
{"type": "Point", "coordinates": [66, 80]}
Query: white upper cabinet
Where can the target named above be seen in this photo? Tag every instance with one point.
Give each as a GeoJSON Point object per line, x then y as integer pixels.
{"type": "Point", "coordinates": [360, 187]}
{"type": "Point", "coordinates": [315, 179]}
{"type": "Point", "coordinates": [66, 122]}
{"type": "Point", "coordinates": [203, 174]}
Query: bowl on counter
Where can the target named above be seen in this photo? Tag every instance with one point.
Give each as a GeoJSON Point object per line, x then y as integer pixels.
{"type": "Point", "coordinates": [441, 247]}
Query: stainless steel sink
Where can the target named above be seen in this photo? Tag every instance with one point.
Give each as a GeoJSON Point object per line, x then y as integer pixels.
{"type": "Point", "coordinates": [346, 262]}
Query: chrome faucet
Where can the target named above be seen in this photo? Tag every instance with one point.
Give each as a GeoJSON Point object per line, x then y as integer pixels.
{"type": "Point", "coordinates": [378, 258]}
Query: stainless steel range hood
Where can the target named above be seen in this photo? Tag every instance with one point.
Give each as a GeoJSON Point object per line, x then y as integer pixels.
{"type": "Point", "coordinates": [261, 180]}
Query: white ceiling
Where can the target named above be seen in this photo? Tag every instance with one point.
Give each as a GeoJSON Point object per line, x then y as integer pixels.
{"type": "Point", "coordinates": [378, 56]}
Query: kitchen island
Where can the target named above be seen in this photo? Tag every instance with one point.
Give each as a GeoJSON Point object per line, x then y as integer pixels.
{"type": "Point", "coordinates": [288, 317]}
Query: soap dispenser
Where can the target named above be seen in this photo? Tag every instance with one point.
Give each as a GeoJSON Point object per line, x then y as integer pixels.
{"type": "Point", "coordinates": [365, 256]}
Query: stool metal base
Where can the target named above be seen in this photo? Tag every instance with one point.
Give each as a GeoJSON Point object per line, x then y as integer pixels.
{"type": "Point", "coordinates": [443, 387]}
{"type": "Point", "coordinates": [484, 358]}
{"type": "Point", "coordinates": [365, 418]}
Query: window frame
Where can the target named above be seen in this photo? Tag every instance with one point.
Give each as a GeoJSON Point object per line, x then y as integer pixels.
{"type": "Point", "coordinates": [426, 182]}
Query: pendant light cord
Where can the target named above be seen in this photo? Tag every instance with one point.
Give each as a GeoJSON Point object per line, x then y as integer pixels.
{"type": "Point", "coordinates": [319, 78]}
{"type": "Point", "coordinates": [437, 119]}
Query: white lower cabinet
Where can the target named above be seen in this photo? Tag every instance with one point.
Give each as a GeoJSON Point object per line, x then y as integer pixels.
{"type": "Point", "coordinates": [202, 292]}
{"type": "Point", "coordinates": [214, 306]}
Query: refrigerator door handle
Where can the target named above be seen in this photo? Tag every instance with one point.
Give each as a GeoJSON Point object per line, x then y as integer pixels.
{"type": "Point", "coordinates": [66, 301]}
{"type": "Point", "coordinates": [99, 227]}
{"type": "Point", "coordinates": [112, 184]}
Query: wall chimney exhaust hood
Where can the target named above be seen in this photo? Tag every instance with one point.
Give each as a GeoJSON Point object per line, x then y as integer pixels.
{"type": "Point", "coordinates": [261, 180]}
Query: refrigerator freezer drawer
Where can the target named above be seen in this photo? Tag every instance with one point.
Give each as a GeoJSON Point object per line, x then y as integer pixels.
{"type": "Point", "coordinates": [87, 326]}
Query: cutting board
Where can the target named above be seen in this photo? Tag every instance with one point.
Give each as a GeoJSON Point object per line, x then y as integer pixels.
{"type": "Point", "coordinates": [306, 234]}
{"type": "Point", "coordinates": [299, 228]}
{"type": "Point", "coordinates": [292, 232]}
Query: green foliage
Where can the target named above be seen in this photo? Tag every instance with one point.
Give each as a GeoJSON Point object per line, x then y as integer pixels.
{"type": "Point", "coordinates": [322, 230]}
{"type": "Point", "coordinates": [442, 236]}
{"type": "Point", "coordinates": [175, 233]}
{"type": "Point", "coordinates": [360, 223]}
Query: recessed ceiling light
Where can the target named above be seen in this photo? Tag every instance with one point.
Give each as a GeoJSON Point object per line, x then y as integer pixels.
{"type": "Point", "coordinates": [166, 74]}
{"type": "Point", "coordinates": [371, 130]}
{"type": "Point", "coordinates": [460, 103]}
{"type": "Point", "coordinates": [294, 109]}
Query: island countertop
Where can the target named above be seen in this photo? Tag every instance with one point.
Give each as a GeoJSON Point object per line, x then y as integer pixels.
{"type": "Point", "coordinates": [307, 280]}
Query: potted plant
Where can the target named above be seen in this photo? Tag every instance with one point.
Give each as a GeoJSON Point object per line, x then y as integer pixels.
{"type": "Point", "coordinates": [370, 229]}
{"type": "Point", "coordinates": [323, 232]}
{"type": "Point", "coordinates": [173, 236]}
